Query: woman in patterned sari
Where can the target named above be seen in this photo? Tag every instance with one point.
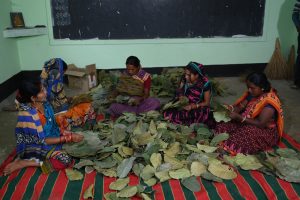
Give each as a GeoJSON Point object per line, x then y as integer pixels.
{"type": "Point", "coordinates": [78, 115]}
{"type": "Point", "coordinates": [257, 118]}
{"type": "Point", "coordinates": [52, 78]}
{"type": "Point", "coordinates": [139, 102]}
{"type": "Point", "coordinates": [197, 88]}
{"type": "Point", "coordinates": [37, 134]}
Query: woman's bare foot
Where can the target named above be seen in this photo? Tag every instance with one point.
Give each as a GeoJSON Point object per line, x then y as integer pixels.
{"type": "Point", "coordinates": [19, 164]}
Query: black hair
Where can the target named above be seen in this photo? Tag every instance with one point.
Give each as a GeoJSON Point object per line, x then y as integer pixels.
{"type": "Point", "coordinates": [133, 60]}
{"type": "Point", "coordinates": [192, 69]}
{"type": "Point", "coordinates": [65, 66]}
{"type": "Point", "coordinates": [27, 89]}
{"type": "Point", "coordinates": [259, 79]}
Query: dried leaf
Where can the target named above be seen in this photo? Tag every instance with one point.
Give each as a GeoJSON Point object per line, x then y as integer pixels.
{"type": "Point", "coordinates": [88, 193]}
{"type": "Point", "coordinates": [125, 151]}
{"type": "Point", "coordinates": [73, 175]}
{"type": "Point", "coordinates": [222, 171]}
{"type": "Point", "coordinates": [197, 168]}
{"type": "Point", "coordinates": [155, 160]}
{"type": "Point", "coordinates": [82, 163]}
{"type": "Point", "coordinates": [150, 182]}
{"type": "Point", "coordinates": [205, 148]}
{"type": "Point", "coordinates": [118, 133]}
{"type": "Point", "coordinates": [180, 173]}
{"type": "Point", "coordinates": [145, 196]}
{"type": "Point", "coordinates": [88, 169]}
{"type": "Point", "coordinates": [152, 128]}
{"type": "Point", "coordinates": [176, 164]}
{"type": "Point", "coordinates": [173, 149]}
{"type": "Point", "coordinates": [119, 184]}
{"type": "Point", "coordinates": [147, 172]}
{"type": "Point", "coordinates": [137, 169]}
{"type": "Point", "coordinates": [129, 191]}
{"type": "Point", "coordinates": [247, 162]}
{"type": "Point", "coordinates": [162, 176]}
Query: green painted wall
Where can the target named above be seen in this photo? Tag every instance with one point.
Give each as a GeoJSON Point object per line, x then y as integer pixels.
{"type": "Point", "coordinates": [33, 51]}
{"type": "Point", "coordinates": [9, 58]}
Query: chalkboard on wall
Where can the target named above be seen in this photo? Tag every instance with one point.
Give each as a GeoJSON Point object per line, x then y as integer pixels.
{"type": "Point", "coordinates": [148, 19]}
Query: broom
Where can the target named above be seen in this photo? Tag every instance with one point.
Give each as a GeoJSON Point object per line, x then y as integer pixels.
{"type": "Point", "coordinates": [277, 67]}
{"type": "Point", "coordinates": [291, 63]}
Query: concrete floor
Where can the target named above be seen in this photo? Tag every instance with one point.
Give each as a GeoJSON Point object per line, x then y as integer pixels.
{"type": "Point", "coordinates": [289, 97]}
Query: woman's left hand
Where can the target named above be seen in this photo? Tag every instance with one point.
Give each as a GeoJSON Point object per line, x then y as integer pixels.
{"type": "Point", "coordinates": [188, 107]}
{"type": "Point", "coordinates": [77, 137]}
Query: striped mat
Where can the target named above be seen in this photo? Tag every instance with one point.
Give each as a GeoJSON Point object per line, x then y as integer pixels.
{"type": "Point", "coordinates": [30, 183]}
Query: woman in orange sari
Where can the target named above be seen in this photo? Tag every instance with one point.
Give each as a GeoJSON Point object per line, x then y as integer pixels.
{"type": "Point", "coordinates": [256, 118]}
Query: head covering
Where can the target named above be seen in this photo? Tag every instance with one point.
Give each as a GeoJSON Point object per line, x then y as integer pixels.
{"type": "Point", "coordinates": [199, 68]}
{"type": "Point", "coordinates": [52, 79]}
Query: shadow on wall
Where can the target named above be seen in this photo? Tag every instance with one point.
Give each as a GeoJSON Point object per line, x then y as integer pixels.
{"type": "Point", "coordinates": [286, 29]}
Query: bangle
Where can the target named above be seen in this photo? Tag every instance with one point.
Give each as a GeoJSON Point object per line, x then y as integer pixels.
{"type": "Point", "coordinates": [231, 108]}
{"type": "Point", "coordinates": [197, 105]}
{"type": "Point", "coordinates": [244, 119]}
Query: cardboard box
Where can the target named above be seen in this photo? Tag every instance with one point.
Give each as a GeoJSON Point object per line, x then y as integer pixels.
{"type": "Point", "coordinates": [82, 78]}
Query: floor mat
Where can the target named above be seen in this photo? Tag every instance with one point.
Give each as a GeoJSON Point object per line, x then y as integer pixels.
{"type": "Point", "coordinates": [30, 183]}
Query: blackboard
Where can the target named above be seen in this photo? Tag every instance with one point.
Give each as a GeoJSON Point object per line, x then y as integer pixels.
{"type": "Point", "coordinates": [147, 19]}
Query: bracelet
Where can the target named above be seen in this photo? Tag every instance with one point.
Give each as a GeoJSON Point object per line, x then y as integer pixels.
{"type": "Point", "coordinates": [197, 105]}
{"type": "Point", "coordinates": [244, 119]}
{"type": "Point", "coordinates": [231, 108]}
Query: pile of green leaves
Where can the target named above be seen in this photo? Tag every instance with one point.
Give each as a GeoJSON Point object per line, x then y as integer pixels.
{"type": "Point", "coordinates": [178, 104]}
{"type": "Point", "coordinates": [165, 84]}
{"type": "Point", "coordinates": [130, 86]}
{"type": "Point", "coordinates": [153, 149]}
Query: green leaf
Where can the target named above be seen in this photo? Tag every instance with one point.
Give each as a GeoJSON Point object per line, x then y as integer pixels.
{"type": "Point", "coordinates": [209, 176]}
{"type": "Point", "coordinates": [125, 167]}
{"type": "Point", "coordinates": [83, 163]}
{"type": "Point", "coordinates": [191, 183]}
{"type": "Point", "coordinates": [221, 116]}
{"type": "Point", "coordinates": [219, 138]}
{"type": "Point", "coordinates": [118, 133]}
{"type": "Point", "coordinates": [286, 152]}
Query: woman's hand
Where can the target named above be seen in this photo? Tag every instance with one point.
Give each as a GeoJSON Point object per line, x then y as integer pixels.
{"type": "Point", "coordinates": [190, 107]}
{"type": "Point", "coordinates": [77, 137]}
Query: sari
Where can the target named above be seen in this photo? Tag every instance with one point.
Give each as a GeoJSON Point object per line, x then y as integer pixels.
{"type": "Point", "coordinates": [250, 139]}
{"type": "Point", "coordinates": [31, 131]}
{"type": "Point", "coordinates": [195, 94]}
{"type": "Point", "coordinates": [148, 104]}
{"type": "Point", "coordinates": [52, 79]}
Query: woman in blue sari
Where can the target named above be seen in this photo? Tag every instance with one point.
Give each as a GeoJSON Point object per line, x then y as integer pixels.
{"type": "Point", "coordinates": [38, 137]}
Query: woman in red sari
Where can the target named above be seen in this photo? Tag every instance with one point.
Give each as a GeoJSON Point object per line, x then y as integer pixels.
{"type": "Point", "coordinates": [257, 118]}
